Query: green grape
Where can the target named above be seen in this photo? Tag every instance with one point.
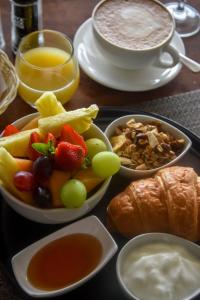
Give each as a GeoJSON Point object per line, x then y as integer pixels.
{"type": "Point", "coordinates": [106, 164]}
{"type": "Point", "coordinates": [73, 194]}
{"type": "Point", "coordinates": [95, 146]}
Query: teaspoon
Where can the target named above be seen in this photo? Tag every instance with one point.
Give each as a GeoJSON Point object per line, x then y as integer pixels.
{"type": "Point", "coordinates": [189, 63]}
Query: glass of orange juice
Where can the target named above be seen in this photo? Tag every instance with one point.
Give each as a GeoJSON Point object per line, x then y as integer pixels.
{"type": "Point", "coordinates": [45, 61]}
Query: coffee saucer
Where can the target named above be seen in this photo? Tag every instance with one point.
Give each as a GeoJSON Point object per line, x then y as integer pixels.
{"type": "Point", "coordinates": [99, 68]}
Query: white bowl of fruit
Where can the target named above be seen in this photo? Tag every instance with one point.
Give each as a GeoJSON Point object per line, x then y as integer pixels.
{"type": "Point", "coordinates": [53, 164]}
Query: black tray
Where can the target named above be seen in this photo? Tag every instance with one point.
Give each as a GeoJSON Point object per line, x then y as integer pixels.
{"type": "Point", "coordinates": [17, 232]}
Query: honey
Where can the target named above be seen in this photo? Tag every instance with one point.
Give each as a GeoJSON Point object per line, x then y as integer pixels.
{"type": "Point", "coordinates": [64, 261]}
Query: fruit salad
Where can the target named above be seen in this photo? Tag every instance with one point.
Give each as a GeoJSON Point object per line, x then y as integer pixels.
{"type": "Point", "coordinates": [49, 163]}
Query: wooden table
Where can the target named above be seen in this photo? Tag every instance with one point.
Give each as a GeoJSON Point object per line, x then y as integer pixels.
{"type": "Point", "coordinates": [66, 16]}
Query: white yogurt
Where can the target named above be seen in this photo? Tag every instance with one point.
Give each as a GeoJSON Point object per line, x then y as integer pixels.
{"type": "Point", "coordinates": [161, 271]}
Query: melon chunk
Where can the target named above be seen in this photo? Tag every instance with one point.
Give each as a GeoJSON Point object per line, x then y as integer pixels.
{"type": "Point", "coordinates": [88, 178]}
{"type": "Point", "coordinates": [56, 181]}
{"type": "Point", "coordinates": [24, 164]}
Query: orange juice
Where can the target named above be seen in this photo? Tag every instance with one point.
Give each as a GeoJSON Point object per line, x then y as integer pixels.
{"type": "Point", "coordinates": [47, 69]}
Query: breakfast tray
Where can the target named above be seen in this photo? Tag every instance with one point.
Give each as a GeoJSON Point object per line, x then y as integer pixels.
{"type": "Point", "coordinates": [17, 232]}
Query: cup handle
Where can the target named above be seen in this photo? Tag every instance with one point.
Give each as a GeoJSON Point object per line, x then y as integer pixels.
{"type": "Point", "coordinates": [174, 55]}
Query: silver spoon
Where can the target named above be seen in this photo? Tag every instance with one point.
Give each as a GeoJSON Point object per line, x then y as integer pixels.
{"type": "Point", "coordinates": [189, 63]}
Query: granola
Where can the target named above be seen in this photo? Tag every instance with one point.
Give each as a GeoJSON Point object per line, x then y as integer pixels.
{"type": "Point", "coordinates": [144, 146]}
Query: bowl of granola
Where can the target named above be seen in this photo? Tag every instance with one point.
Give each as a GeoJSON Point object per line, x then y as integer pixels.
{"type": "Point", "coordinates": [146, 144]}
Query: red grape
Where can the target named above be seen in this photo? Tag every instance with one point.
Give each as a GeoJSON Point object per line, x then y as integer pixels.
{"type": "Point", "coordinates": [24, 181]}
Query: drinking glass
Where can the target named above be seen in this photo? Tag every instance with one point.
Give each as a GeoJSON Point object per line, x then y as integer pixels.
{"type": "Point", "coordinates": [45, 61]}
{"type": "Point", "coordinates": [187, 18]}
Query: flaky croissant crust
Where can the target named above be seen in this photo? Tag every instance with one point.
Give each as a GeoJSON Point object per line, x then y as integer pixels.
{"type": "Point", "coordinates": [168, 202]}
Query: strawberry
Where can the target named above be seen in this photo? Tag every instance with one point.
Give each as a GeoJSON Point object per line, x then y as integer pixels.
{"type": "Point", "coordinates": [68, 134]}
{"type": "Point", "coordinates": [9, 130]}
{"type": "Point", "coordinates": [69, 157]}
{"type": "Point", "coordinates": [32, 153]}
{"type": "Point", "coordinates": [50, 137]}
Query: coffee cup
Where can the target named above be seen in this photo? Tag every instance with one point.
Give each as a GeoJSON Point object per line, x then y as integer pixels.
{"type": "Point", "coordinates": [133, 34]}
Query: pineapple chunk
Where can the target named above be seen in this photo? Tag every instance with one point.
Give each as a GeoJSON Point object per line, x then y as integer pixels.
{"type": "Point", "coordinates": [17, 144]}
{"type": "Point", "coordinates": [48, 105]}
{"type": "Point", "coordinates": [8, 167]}
{"type": "Point", "coordinates": [79, 119]}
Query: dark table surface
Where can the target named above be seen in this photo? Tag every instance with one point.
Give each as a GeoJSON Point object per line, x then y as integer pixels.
{"type": "Point", "coordinates": [66, 16]}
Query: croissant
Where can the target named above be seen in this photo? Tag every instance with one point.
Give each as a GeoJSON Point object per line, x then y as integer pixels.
{"type": "Point", "coordinates": [168, 202]}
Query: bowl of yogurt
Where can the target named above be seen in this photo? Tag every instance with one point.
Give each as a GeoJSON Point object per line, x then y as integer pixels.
{"type": "Point", "coordinates": [156, 266]}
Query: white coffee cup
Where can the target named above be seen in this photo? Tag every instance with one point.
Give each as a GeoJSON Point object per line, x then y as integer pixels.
{"type": "Point", "coordinates": [136, 58]}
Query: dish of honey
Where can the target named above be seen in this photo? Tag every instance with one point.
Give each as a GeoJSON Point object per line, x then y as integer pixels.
{"type": "Point", "coordinates": [64, 261]}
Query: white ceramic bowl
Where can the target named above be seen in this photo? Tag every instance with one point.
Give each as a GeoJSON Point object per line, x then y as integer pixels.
{"type": "Point", "coordinates": [58, 215]}
{"type": "Point", "coordinates": [152, 238]}
{"type": "Point", "coordinates": [90, 225]}
{"type": "Point", "coordinates": [166, 127]}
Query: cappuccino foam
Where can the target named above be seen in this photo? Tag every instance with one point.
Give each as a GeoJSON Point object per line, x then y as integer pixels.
{"type": "Point", "coordinates": [133, 24]}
